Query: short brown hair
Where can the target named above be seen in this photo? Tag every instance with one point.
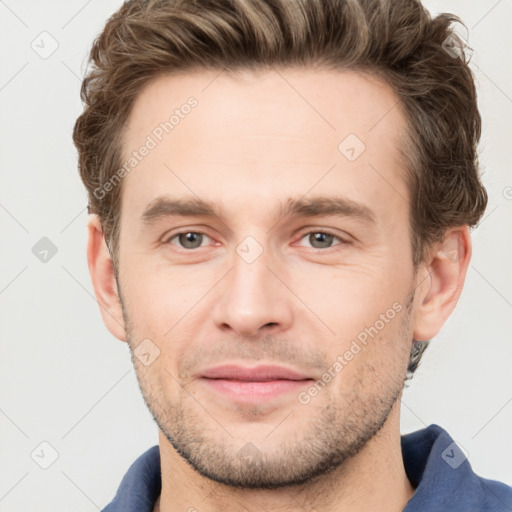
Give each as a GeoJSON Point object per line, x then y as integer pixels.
{"type": "Point", "coordinates": [397, 40]}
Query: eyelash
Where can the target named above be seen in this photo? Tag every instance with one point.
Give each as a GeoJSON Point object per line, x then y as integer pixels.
{"type": "Point", "coordinates": [199, 232]}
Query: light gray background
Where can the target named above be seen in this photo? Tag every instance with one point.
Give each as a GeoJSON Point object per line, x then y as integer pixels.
{"type": "Point", "coordinates": [65, 380]}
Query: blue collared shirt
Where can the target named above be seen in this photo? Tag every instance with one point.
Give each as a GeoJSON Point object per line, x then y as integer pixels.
{"type": "Point", "coordinates": [435, 465]}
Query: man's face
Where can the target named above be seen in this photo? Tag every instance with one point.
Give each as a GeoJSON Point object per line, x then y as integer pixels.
{"type": "Point", "coordinates": [250, 286]}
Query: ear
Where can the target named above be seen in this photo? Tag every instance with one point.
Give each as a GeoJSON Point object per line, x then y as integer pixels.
{"type": "Point", "coordinates": [441, 281]}
{"type": "Point", "coordinates": [101, 269]}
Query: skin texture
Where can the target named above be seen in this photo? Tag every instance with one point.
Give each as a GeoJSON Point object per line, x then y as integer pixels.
{"type": "Point", "coordinates": [254, 141]}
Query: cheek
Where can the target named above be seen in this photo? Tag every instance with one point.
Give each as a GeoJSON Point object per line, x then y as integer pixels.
{"type": "Point", "coordinates": [159, 298]}
{"type": "Point", "coordinates": [350, 299]}
{"type": "Point", "coordinates": [162, 306]}
{"type": "Point", "coordinates": [368, 313]}
{"type": "Point", "coordinates": [376, 357]}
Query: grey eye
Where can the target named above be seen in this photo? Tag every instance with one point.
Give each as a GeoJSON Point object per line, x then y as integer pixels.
{"type": "Point", "coordinates": [319, 240]}
{"type": "Point", "coordinates": [189, 240]}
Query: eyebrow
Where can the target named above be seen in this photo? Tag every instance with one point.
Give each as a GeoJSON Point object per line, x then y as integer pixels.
{"type": "Point", "coordinates": [165, 206]}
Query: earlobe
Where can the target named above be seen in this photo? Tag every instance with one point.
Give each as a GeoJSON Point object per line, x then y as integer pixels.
{"type": "Point", "coordinates": [442, 282]}
{"type": "Point", "coordinates": [102, 275]}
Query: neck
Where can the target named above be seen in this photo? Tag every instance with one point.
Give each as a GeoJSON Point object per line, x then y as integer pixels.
{"type": "Point", "coordinates": [372, 480]}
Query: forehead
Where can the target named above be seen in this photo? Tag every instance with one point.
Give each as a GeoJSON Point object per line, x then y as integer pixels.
{"type": "Point", "coordinates": [332, 102]}
{"type": "Point", "coordinates": [262, 134]}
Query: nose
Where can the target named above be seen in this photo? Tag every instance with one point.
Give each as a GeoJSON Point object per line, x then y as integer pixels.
{"type": "Point", "coordinates": [252, 299]}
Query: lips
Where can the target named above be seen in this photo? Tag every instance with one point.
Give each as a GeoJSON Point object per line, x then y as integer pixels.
{"type": "Point", "coordinates": [252, 386]}
{"type": "Point", "coordinates": [257, 374]}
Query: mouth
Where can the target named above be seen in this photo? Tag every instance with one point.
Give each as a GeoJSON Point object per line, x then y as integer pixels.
{"type": "Point", "coordinates": [253, 384]}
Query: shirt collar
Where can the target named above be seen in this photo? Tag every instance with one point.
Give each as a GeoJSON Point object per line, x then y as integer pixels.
{"type": "Point", "coordinates": [435, 465]}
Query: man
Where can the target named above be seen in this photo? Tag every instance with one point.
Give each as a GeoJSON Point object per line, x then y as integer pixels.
{"type": "Point", "coordinates": [281, 194]}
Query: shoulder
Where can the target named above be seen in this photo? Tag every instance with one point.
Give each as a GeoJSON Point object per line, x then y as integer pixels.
{"type": "Point", "coordinates": [141, 485]}
{"type": "Point", "coordinates": [496, 496]}
{"type": "Point", "coordinates": [443, 478]}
